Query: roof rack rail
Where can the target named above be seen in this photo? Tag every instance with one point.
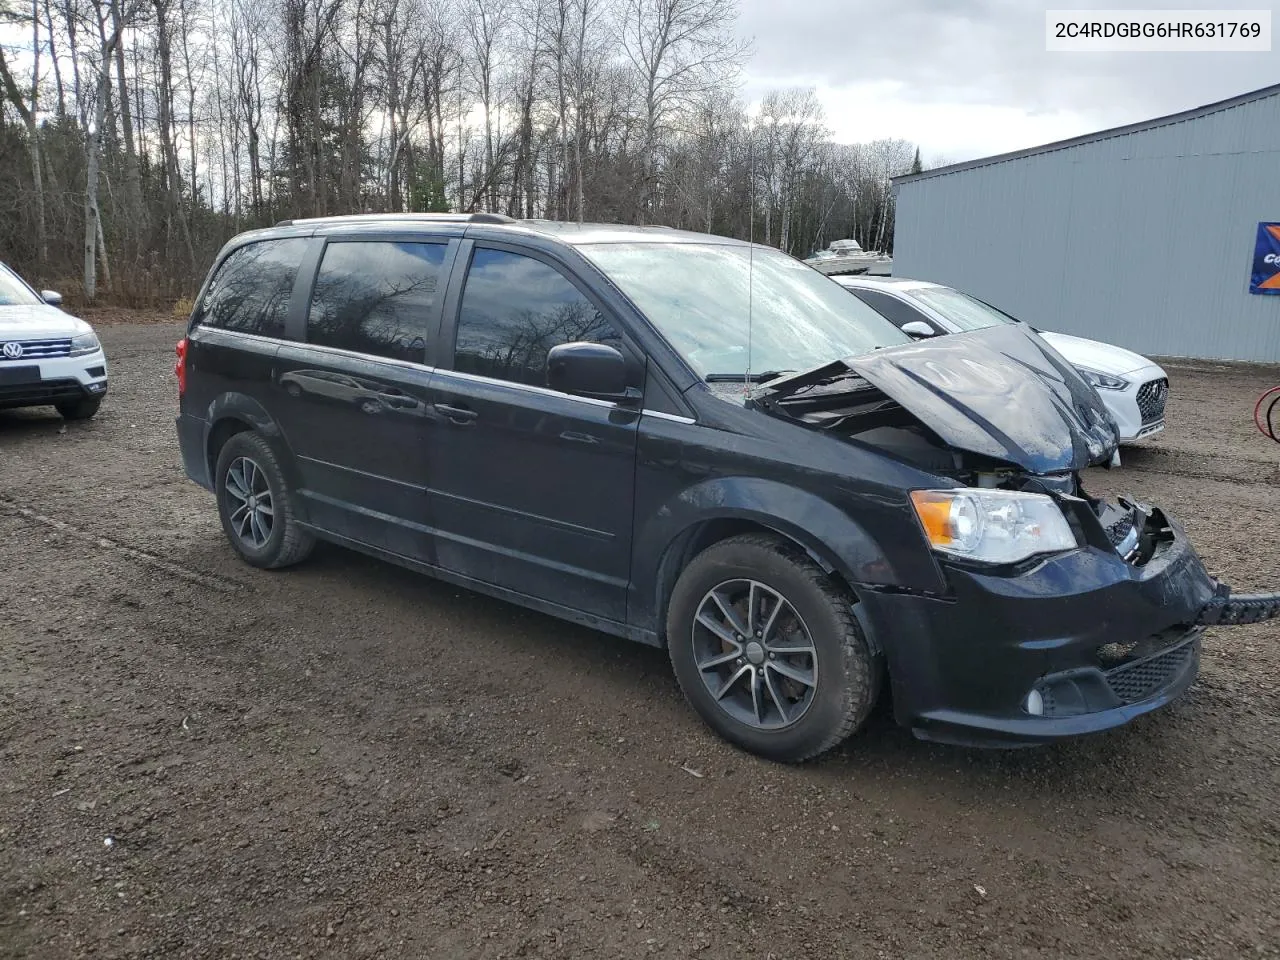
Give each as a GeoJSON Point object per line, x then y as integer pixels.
{"type": "Point", "coordinates": [424, 217]}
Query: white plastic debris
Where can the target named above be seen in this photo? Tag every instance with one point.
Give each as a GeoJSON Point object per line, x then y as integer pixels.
{"type": "Point", "coordinates": [109, 842]}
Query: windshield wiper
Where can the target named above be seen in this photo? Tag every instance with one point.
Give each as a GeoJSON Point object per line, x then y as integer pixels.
{"type": "Point", "coordinates": [764, 377]}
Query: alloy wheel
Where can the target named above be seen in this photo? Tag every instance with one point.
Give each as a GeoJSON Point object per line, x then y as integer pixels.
{"type": "Point", "coordinates": [252, 513]}
{"type": "Point", "coordinates": [754, 654]}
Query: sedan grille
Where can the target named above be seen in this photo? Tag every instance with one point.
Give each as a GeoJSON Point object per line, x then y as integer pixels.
{"type": "Point", "coordinates": [1151, 399]}
{"type": "Point", "coordinates": [34, 350]}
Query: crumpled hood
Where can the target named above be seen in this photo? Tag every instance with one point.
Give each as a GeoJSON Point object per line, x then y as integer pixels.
{"type": "Point", "coordinates": [33, 321]}
{"type": "Point", "coordinates": [1000, 392]}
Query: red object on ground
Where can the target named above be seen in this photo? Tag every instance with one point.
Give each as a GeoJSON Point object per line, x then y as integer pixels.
{"type": "Point", "coordinates": [1266, 414]}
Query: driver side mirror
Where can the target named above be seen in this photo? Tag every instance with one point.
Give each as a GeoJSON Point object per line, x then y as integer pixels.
{"type": "Point", "coordinates": [917, 329]}
{"type": "Point", "coordinates": [594, 370]}
{"type": "Point", "coordinates": [52, 297]}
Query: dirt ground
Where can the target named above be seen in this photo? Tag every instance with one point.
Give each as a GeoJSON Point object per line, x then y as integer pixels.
{"type": "Point", "coordinates": [202, 760]}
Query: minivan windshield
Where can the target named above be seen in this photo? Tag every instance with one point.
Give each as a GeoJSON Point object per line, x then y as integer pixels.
{"type": "Point", "coordinates": [13, 291]}
{"type": "Point", "coordinates": [697, 296]}
{"type": "Point", "coordinates": [961, 309]}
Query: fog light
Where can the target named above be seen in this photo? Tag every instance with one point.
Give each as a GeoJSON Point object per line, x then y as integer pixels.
{"type": "Point", "coordinates": [1035, 703]}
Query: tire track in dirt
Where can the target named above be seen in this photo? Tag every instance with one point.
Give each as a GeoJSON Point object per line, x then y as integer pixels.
{"type": "Point", "coordinates": [1193, 465]}
{"type": "Point", "coordinates": [212, 581]}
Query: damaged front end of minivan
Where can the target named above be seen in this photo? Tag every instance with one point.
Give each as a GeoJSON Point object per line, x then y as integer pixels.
{"type": "Point", "coordinates": [1065, 613]}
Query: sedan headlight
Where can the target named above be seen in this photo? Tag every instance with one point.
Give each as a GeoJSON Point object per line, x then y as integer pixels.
{"type": "Point", "coordinates": [1103, 381]}
{"type": "Point", "coordinates": [85, 343]}
{"type": "Point", "coordinates": [995, 526]}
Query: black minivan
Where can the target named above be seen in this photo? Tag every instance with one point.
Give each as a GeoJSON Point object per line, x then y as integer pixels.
{"type": "Point", "coordinates": [700, 444]}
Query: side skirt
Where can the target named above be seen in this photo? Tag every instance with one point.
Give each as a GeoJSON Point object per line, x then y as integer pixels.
{"type": "Point", "coordinates": [647, 637]}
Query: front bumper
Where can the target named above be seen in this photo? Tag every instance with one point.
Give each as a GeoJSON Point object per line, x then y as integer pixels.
{"type": "Point", "coordinates": [52, 380]}
{"type": "Point", "coordinates": [1100, 640]}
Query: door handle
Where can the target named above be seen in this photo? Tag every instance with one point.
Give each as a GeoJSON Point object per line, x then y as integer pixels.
{"type": "Point", "coordinates": [578, 437]}
{"type": "Point", "coordinates": [456, 414]}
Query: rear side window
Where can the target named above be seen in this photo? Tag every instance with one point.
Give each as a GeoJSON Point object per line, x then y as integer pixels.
{"type": "Point", "coordinates": [250, 292]}
{"type": "Point", "coordinates": [514, 310]}
{"type": "Point", "coordinates": [376, 297]}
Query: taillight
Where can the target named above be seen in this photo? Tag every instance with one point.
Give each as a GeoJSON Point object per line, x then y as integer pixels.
{"type": "Point", "coordinates": [180, 368]}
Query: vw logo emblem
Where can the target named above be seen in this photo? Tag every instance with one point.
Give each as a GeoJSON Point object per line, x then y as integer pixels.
{"type": "Point", "coordinates": [12, 350]}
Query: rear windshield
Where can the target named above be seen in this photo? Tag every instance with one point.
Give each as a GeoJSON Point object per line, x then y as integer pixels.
{"type": "Point", "coordinates": [715, 303]}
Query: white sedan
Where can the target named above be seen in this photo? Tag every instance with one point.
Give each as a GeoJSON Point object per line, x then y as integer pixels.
{"type": "Point", "coordinates": [1133, 388]}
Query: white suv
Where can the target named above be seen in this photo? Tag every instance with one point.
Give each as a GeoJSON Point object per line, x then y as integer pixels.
{"type": "Point", "coordinates": [47, 357]}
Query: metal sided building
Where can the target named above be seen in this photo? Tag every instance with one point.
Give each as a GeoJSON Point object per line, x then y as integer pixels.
{"type": "Point", "coordinates": [1144, 236]}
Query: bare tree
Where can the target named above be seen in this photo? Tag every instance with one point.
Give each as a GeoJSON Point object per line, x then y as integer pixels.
{"type": "Point", "coordinates": [188, 120]}
{"type": "Point", "coordinates": [29, 112]}
{"type": "Point", "coordinates": [485, 23]}
{"type": "Point", "coordinates": [680, 49]}
{"type": "Point", "coordinates": [94, 241]}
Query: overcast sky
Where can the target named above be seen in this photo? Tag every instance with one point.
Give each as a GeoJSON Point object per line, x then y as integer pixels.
{"type": "Point", "coordinates": [969, 78]}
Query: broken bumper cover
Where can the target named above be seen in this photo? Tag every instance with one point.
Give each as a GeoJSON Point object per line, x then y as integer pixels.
{"type": "Point", "coordinates": [1099, 641]}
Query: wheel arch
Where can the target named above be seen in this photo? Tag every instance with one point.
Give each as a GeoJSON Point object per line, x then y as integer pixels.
{"type": "Point", "coordinates": [705, 533]}
{"type": "Point", "coordinates": [234, 413]}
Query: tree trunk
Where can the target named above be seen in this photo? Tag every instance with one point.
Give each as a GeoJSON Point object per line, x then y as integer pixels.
{"type": "Point", "coordinates": [164, 103]}
{"type": "Point", "coordinates": [53, 57]}
{"type": "Point", "coordinates": [33, 136]}
{"type": "Point", "coordinates": [132, 168]}
{"type": "Point", "coordinates": [103, 261]}
{"type": "Point", "coordinates": [93, 148]}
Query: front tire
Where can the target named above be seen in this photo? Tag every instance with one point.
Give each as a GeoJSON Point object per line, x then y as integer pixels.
{"type": "Point", "coordinates": [256, 505]}
{"type": "Point", "coordinates": [767, 650]}
{"type": "Point", "coordinates": [79, 409]}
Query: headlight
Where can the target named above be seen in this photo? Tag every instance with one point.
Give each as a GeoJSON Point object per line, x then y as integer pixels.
{"type": "Point", "coordinates": [85, 343]}
{"type": "Point", "coordinates": [995, 526]}
{"type": "Point", "coordinates": [1103, 381]}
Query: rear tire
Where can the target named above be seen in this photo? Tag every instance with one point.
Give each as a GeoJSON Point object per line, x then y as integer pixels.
{"type": "Point", "coordinates": [747, 675]}
{"type": "Point", "coordinates": [79, 409]}
{"type": "Point", "coordinates": [256, 505]}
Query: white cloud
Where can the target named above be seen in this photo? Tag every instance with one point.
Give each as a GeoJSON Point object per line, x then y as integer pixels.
{"type": "Point", "coordinates": [968, 78]}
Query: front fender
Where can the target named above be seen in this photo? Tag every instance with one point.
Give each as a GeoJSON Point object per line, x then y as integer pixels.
{"type": "Point", "coordinates": [830, 535]}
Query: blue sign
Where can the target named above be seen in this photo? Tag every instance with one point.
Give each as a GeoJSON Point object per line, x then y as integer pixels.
{"type": "Point", "coordinates": [1266, 260]}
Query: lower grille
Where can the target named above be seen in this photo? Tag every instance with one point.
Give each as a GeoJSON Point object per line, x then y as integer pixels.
{"type": "Point", "coordinates": [37, 350]}
{"type": "Point", "coordinates": [1142, 679]}
{"type": "Point", "coordinates": [1152, 396]}
{"type": "Point", "coordinates": [47, 391]}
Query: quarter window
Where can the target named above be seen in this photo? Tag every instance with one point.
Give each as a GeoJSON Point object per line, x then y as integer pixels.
{"type": "Point", "coordinates": [376, 297]}
{"type": "Point", "coordinates": [251, 290]}
{"type": "Point", "coordinates": [514, 310]}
